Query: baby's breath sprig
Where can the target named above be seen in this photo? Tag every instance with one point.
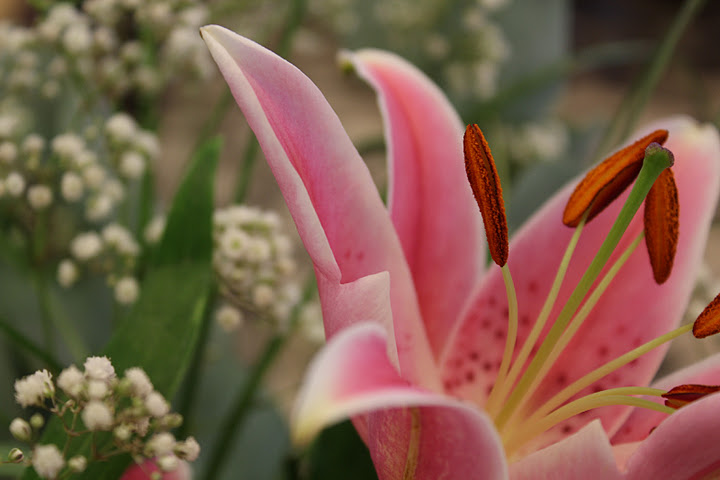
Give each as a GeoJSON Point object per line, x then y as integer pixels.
{"type": "Point", "coordinates": [253, 261]}
{"type": "Point", "coordinates": [97, 400]}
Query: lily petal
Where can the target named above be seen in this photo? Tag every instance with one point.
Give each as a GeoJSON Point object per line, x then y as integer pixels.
{"type": "Point", "coordinates": [686, 445]}
{"type": "Point", "coordinates": [641, 421]}
{"type": "Point", "coordinates": [327, 187]}
{"type": "Point", "coordinates": [632, 311]}
{"type": "Point", "coordinates": [451, 443]}
{"type": "Point", "coordinates": [586, 454]}
{"type": "Point", "coordinates": [148, 468]}
{"type": "Point", "coordinates": [430, 201]}
{"type": "Point", "coordinates": [352, 376]}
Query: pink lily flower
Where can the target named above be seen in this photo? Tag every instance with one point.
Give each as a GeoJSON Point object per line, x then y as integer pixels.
{"type": "Point", "coordinates": [146, 470]}
{"type": "Point", "coordinates": [417, 326]}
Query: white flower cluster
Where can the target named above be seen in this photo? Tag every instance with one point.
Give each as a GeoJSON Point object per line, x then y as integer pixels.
{"type": "Point", "coordinates": [113, 251]}
{"type": "Point", "coordinates": [252, 258]}
{"type": "Point", "coordinates": [459, 45]}
{"type": "Point", "coordinates": [99, 44]}
{"type": "Point", "coordinates": [138, 416]}
{"type": "Point", "coordinates": [80, 189]}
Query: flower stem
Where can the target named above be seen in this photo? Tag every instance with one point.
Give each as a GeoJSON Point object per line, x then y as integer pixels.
{"type": "Point", "coordinates": [189, 395]}
{"type": "Point", "coordinates": [248, 391]}
{"type": "Point", "coordinates": [511, 337]}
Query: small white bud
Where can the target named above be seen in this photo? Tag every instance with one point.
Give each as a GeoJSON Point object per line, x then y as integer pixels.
{"type": "Point", "coordinates": [97, 416]}
{"type": "Point", "coordinates": [154, 230]}
{"type": "Point", "coordinates": [99, 368]}
{"type": "Point", "coordinates": [8, 152]}
{"type": "Point", "coordinates": [161, 444]}
{"type": "Point", "coordinates": [14, 184]}
{"type": "Point", "coordinates": [37, 421]}
{"type": "Point", "coordinates": [15, 455]}
{"type": "Point", "coordinates": [99, 207]}
{"type": "Point", "coordinates": [97, 390]}
{"type": "Point", "coordinates": [47, 461]}
{"type": "Point", "coordinates": [71, 381]}
{"type": "Point", "coordinates": [263, 296]}
{"type": "Point", "coordinates": [168, 463]}
{"type": "Point", "coordinates": [127, 291]}
{"type": "Point", "coordinates": [234, 243]}
{"type": "Point", "coordinates": [86, 246]}
{"type": "Point", "coordinates": [39, 196]}
{"type": "Point", "coordinates": [33, 144]}
{"type": "Point", "coordinates": [140, 383]}
{"type": "Point", "coordinates": [77, 39]}
{"type": "Point", "coordinates": [188, 450]}
{"type": "Point", "coordinates": [228, 317]}
{"type": "Point", "coordinates": [77, 464]}
{"type": "Point", "coordinates": [67, 145]}
{"type": "Point", "coordinates": [72, 186]}
{"type": "Point", "coordinates": [114, 189]}
{"type": "Point", "coordinates": [32, 389]}
{"type": "Point", "coordinates": [132, 165]}
{"type": "Point", "coordinates": [122, 432]}
{"type": "Point", "coordinates": [21, 430]}
{"type": "Point", "coordinates": [94, 175]}
{"type": "Point", "coordinates": [121, 127]}
{"type": "Point", "coordinates": [67, 273]}
{"type": "Point", "coordinates": [156, 405]}
{"type": "Point", "coordinates": [148, 143]}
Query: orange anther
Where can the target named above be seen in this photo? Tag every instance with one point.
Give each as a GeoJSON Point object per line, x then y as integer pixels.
{"type": "Point", "coordinates": [485, 184]}
{"type": "Point", "coordinates": [683, 394]}
{"type": "Point", "coordinates": [662, 224]}
{"type": "Point", "coordinates": [607, 181]}
{"type": "Point", "coordinates": [708, 323]}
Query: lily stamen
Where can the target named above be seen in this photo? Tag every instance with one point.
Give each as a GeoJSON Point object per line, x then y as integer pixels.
{"type": "Point", "coordinates": [708, 323]}
{"type": "Point", "coordinates": [656, 160]}
{"type": "Point", "coordinates": [605, 398]}
{"type": "Point", "coordinates": [500, 391]}
{"type": "Point", "coordinates": [678, 397]}
{"type": "Point", "coordinates": [576, 323]}
{"type": "Point", "coordinates": [485, 182]}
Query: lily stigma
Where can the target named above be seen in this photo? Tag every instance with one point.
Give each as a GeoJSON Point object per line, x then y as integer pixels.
{"type": "Point", "coordinates": [452, 369]}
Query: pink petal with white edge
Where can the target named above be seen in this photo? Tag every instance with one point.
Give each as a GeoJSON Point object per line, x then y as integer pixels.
{"type": "Point", "coordinates": [632, 311]}
{"type": "Point", "coordinates": [404, 426]}
{"type": "Point", "coordinates": [352, 375]}
{"type": "Point", "coordinates": [145, 471]}
{"type": "Point", "coordinates": [641, 421]}
{"type": "Point", "coordinates": [327, 187]}
{"type": "Point", "coordinates": [430, 201]}
{"type": "Point", "coordinates": [435, 443]}
{"type": "Point", "coordinates": [586, 454]}
{"type": "Point", "coordinates": [685, 446]}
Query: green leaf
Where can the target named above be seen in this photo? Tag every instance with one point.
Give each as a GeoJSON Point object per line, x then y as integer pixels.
{"type": "Point", "coordinates": [188, 232]}
{"type": "Point", "coordinates": [160, 333]}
